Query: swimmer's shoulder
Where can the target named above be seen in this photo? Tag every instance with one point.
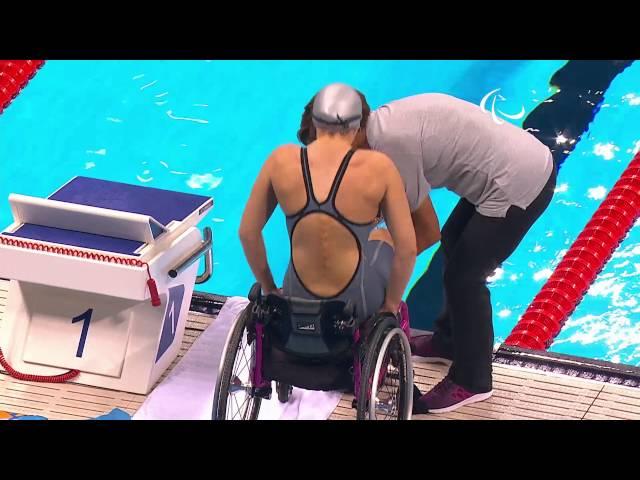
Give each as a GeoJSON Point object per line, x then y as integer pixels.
{"type": "Point", "coordinates": [286, 151]}
{"type": "Point", "coordinates": [374, 157]}
{"type": "Point", "coordinates": [378, 161]}
{"type": "Point", "coordinates": [283, 155]}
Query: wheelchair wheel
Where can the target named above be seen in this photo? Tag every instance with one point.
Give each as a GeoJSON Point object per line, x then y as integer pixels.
{"type": "Point", "coordinates": [386, 380]}
{"type": "Point", "coordinates": [284, 392]}
{"type": "Point", "coordinates": [235, 397]}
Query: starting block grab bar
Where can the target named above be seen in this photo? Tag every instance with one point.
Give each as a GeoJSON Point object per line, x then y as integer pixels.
{"type": "Point", "coordinates": [203, 249]}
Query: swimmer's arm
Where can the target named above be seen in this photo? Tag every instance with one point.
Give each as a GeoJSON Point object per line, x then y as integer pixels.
{"type": "Point", "coordinates": [426, 224]}
{"type": "Point", "coordinates": [395, 209]}
{"type": "Point", "coordinates": [260, 206]}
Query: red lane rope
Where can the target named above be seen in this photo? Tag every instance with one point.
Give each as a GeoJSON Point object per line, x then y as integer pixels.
{"type": "Point", "coordinates": [578, 269]}
{"type": "Point", "coordinates": [14, 76]}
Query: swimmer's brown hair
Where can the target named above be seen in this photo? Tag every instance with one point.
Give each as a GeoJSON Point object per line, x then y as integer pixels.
{"type": "Point", "coordinates": [307, 131]}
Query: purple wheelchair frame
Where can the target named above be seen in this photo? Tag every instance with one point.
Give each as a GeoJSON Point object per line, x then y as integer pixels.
{"type": "Point", "coordinates": [258, 381]}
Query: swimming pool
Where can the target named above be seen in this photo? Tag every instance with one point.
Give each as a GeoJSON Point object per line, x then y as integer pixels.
{"type": "Point", "coordinates": [207, 126]}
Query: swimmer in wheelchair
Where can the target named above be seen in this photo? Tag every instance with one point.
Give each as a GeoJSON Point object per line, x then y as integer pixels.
{"type": "Point", "coordinates": [337, 322]}
{"type": "Point", "coordinates": [315, 345]}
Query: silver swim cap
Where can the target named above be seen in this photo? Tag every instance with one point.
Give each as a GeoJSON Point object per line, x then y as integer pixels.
{"type": "Point", "coordinates": [337, 107]}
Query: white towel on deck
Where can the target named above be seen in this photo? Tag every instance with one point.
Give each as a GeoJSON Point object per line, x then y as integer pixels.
{"type": "Point", "coordinates": [187, 392]}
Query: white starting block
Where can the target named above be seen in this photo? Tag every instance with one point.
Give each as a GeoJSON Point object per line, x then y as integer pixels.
{"type": "Point", "coordinates": [79, 265]}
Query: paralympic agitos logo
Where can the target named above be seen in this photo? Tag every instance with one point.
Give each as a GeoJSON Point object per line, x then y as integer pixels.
{"type": "Point", "coordinates": [496, 113]}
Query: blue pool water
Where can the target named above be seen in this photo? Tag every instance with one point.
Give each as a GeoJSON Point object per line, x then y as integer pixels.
{"type": "Point", "coordinates": [206, 127]}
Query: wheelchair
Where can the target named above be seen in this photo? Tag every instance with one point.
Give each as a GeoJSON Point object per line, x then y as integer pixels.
{"type": "Point", "coordinates": [314, 345]}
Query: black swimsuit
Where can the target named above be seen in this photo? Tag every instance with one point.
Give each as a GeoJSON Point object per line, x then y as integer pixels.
{"type": "Point", "coordinates": [366, 289]}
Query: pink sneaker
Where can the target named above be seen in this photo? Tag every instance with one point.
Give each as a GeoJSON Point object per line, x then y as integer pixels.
{"type": "Point", "coordinates": [447, 396]}
{"type": "Point", "coordinates": [422, 346]}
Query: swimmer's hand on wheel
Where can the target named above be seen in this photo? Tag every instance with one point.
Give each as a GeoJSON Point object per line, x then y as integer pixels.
{"type": "Point", "coordinates": [388, 307]}
{"type": "Point", "coordinates": [274, 290]}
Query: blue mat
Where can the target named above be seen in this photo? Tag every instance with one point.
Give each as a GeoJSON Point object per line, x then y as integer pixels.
{"type": "Point", "coordinates": [115, 414]}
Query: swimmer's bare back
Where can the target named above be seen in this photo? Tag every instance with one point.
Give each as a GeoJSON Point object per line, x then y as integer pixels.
{"type": "Point", "coordinates": [324, 252]}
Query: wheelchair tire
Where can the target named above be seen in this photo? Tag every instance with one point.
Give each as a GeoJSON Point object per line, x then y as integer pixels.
{"type": "Point", "coordinates": [284, 392]}
{"type": "Point", "coordinates": [386, 347]}
{"type": "Point", "coordinates": [236, 350]}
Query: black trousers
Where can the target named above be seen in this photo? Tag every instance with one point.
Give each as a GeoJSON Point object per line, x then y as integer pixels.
{"type": "Point", "coordinates": [474, 246]}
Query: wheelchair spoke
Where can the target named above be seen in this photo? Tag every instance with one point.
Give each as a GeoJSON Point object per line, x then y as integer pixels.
{"type": "Point", "coordinates": [388, 395]}
{"type": "Point", "coordinates": [386, 398]}
{"type": "Point", "coordinates": [240, 384]}
{"type": "Point", "coordinates": [244, 413]}
{"type": "Point", "coordinates": [246, 363]}
{"type": "Point", "coordinates": [247, 398]}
